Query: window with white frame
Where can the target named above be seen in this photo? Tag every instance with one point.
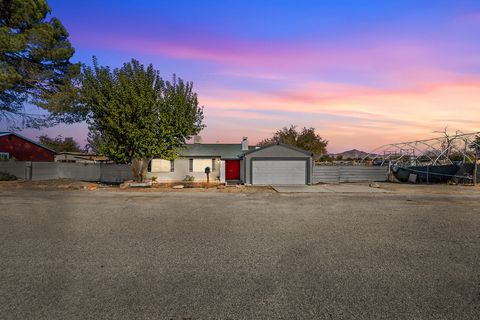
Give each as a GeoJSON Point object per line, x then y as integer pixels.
{"type": "Point", "coordinates": [4, 156]}
{"type": "Point", "coordinates": [214, 165]}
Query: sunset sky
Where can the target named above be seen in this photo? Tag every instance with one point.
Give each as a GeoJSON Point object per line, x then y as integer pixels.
{"type": "Point", "coordinates": [363, 73]}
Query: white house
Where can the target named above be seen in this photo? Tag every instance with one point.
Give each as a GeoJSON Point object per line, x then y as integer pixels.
{"type": "Point", "coordinates": [237, 163]}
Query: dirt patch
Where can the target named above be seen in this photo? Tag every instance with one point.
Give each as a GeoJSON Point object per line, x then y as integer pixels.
{"type": "Point", "coordinates": [430, 188]}
{"type": "Point", "coordinates": [66, 184]}
{"type": "Point", "coordinates": [60, 184]}
{"type": "Point", "coordinates": [214, 188]}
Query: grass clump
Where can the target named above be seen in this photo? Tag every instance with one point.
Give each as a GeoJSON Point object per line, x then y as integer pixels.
{"type": "Point", "coordinates": [5, 176]}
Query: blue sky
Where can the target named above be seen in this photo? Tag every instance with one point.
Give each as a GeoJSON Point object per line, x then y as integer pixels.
{"type": "Point", "coordinates": [363, 73]}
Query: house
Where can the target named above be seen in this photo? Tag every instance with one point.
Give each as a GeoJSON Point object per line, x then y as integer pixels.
{"type": "Point", "coordinates": [277, 164]}
{"type": "Point", "coordinates": [80, 157]}
{"type": "Point", "coordinates": [20, 148]}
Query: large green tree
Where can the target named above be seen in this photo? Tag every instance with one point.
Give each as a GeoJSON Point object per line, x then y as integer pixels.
{"type": "Point", "coordinates": [60, 144]}
{"type": "Point", "coordinates": [306, 139]}
{"type": "Point", "coordinates": [134, 115]}
{"type": "Point", "coordinates": [34, 59]}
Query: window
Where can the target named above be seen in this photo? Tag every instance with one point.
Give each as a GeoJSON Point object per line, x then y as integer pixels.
{"type": "Point", "coordinates": [161, 165]}
{"type": "Point", "coordinates": [172, 165]}
{"type": "Point", "coordinates": [200, 164]}
{"type": "Point", "coordinates": [213, 165]}
{"type": "Point", "coordinates": [4, 156]}
{"type": "Point", "coordinates": [190, 165]}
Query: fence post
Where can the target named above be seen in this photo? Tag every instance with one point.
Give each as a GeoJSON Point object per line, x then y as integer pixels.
{"type": "Point", "coordinates": [28, 170]}
{"type": "Point", "coordinates": [475, 169]}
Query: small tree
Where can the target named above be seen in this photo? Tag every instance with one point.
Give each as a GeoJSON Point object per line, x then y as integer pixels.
{"type": "Point", "coordinates": [475, 145]}
{"type": "Point", "coordinates": [305, 139]}
{"type": "Point", "coordinates": [59, 143]}
{"type": "Point", "coordinates": [134, 115]}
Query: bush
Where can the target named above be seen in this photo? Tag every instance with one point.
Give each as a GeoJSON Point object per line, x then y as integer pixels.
{"type": "Point", "coordinates": [4, 176]}
{"type": "Point", "coordinates": [189, 178]}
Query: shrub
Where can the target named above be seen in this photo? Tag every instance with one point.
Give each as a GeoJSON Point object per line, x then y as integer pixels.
{"type": "Point", "coordinates": [189, 178]}
{"type": "Point", "coordinates": [5, 176]}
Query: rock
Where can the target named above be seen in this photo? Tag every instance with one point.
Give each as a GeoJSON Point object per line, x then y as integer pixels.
{"type": "Point", "coordinates": [179, 186]}
{"type": "Point", "coordinates": [146, 184]}
{"type": "Point", "coordinates": [374, 185]}
{"type": "Point", "coordinates": [124, 185]}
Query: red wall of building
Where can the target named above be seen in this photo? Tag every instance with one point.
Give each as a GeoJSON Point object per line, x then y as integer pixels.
{"type": "Point", "coordinates": [23, 150]}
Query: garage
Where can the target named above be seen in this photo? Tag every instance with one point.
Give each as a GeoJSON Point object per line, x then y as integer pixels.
{"type": "Point", "coordinates": [278, 164]}
{"type": "Point", "coordinates": [279, 172]}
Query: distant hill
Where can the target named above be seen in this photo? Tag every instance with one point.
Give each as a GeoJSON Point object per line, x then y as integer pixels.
{"type": "Point", "coordinates": [352, 154]}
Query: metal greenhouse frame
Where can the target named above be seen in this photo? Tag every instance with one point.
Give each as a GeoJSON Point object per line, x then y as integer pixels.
{"type": "Point", "coordinates": [430, 152]}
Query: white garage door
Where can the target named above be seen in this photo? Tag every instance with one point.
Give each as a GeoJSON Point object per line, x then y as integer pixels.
{"type": "Point", "coordinates": [279, 172]}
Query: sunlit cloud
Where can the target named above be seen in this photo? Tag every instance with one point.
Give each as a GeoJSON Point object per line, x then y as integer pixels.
{"type": "Point", "coordinates": [381, 115]}
{"type": "Point", "coordinates": [362, 75]}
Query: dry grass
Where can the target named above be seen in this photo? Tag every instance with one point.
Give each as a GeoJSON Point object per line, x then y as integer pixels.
{"type": "Point", "coordinates": [66, 184]}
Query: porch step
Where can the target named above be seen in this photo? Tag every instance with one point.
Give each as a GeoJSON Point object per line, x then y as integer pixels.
{"type": "Point", "coordinates": [232, 183]}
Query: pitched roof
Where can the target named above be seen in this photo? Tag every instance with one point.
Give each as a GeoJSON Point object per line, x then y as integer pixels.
{"type": "Point", "coordinates": [280, 144]}
{"type": "Point", "coordinates": [226, 151]}
{"type": "Point", "coordinates": [6, 133]}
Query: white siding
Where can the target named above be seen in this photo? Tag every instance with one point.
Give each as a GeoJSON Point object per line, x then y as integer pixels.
{"type": "Point", "coordinates": [182, 170]}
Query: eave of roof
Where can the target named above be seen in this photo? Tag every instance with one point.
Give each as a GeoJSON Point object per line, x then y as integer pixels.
{"type": "Point", "coordinates": [280, 144]}
{"type": "Point", "coordinates": [27, 139]}
{"type": "Point", "coordinates": [224, 151]}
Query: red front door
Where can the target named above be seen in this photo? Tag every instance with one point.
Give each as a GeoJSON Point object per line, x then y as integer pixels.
{"type": "Point", "coordinates": [232, 169]}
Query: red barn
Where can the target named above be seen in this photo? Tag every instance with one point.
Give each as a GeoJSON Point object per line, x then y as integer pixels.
{"type": "Point", "coordinates": [13, 145]}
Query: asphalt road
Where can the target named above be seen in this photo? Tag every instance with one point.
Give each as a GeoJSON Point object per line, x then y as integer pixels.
{"type": "Point", "coordinates": [107, 255]}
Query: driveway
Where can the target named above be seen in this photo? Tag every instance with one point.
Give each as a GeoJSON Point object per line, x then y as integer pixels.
{"type": "Point", "coordinates": [116, 255]}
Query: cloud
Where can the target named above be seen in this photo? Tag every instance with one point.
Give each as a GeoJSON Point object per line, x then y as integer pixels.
{"type": "Point", "coordinates": [353, 115]}
{"type": "Point", "coordinates": [271, 58]}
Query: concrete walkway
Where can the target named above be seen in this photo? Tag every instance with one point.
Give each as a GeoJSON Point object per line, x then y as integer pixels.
{"type": "Point", "coordinates": [329, 188]}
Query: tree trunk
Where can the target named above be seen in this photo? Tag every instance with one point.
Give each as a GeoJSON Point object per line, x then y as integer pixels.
{"type": "Point", "coordinates": [139, 169]}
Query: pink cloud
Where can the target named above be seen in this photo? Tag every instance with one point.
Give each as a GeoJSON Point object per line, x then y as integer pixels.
{"type": "Point", "coordinates": [362, 117]}
{"type": "Point", "coordinates": [296, 56]}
